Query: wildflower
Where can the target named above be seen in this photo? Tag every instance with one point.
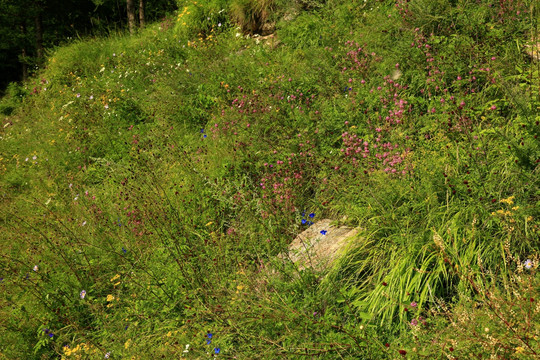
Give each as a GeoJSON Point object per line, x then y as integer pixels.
{"type": "Point", "coordinates": [187, 349]}
{"type": "Point", "coordinates": [402, 352]}
{"type": "Point", "coordinates": [414, 322]}
{"type": "Point", "coordinates": [312, 215]}
{"type": "Point", "coordinates": [35, 268]}
{"type": "Point", "coordinates": [414, 304]}
{"type": "Point", "coordinates": [208, 342]}
{"type": "Point", "coordinates": [78, 95]}
{"type": "Point", "coordinates": [51, 335]}
{"type": "Point", "coordinates": [107, 355]}
{"type": "Point", "coordinates": [204, 136]}
{"type": "Point", "coordinates": [91, 97]}
{"type": "Point", "coordinates": [217, 350]}
{"type": "Point", "coordinates": [304, 221]}
{"type": "Point", "coordinates": [124, 250]}
{"type": "Point", "coordinates": [202, 131]}
{"type": "Point", "coordinates": [528, 264]}
{"type": "Point", "coordinates": [83, 294]}
{"type": "Point", "coordinates": [219, 24]}
{"type": "Point", "coordinates": [209, 335]}
{"type": "Point", "coordinates": [323, 232]}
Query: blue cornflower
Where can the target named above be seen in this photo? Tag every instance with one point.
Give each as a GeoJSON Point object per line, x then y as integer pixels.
{"type": "Point", "coordinates": [217, 350]}
{"type": "Point", "coordinates": [303, 213]}
{"type": "Point", "coordinates": [202, 130]}
{"type": "Point", "coordinates": [312, 215]}
{"type": "Point", "coordinates": [204, 136]}
{"type": "Point", "coordinates": [51, 335]}
{"type": "Point", "coordinates": [124, 250]}
{"type": "Point", "coordinates": [208, 342]}
{"type": "Point", "coordinates": [209, 335]}
{"type": "Point", "coordinates": [304, 221]}
{"type": "Point", "coordinates": [46, 331]}
{"type": "Point", "coordinates": [323, 232]}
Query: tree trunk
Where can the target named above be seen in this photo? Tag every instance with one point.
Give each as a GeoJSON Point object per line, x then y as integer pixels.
{"type": "Point", "coordinates": [39, 37]}
{"type": "Point", "coordinates": [141, 13]}
{"type": "Point", "coordinates": [23, 54]}
{"type": "Point", "coordinates": [131, 16]}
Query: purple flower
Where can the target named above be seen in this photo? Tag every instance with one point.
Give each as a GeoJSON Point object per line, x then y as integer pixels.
{"type": "Point", "coordinates": [414, 322]}
{"type": "Point", "coordinates": [323, 232]}
{"type": "Point", "coordinates": [414, 304]}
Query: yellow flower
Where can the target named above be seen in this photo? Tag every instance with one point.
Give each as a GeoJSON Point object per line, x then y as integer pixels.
{"type": "Point", "coordinates": [110, 297]}
{"type": "Point", "coordinates": [509, 200]}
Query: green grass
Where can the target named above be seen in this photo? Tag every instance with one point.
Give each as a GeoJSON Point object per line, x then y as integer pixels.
{"type": "Point", "coordinates": [163, 173]}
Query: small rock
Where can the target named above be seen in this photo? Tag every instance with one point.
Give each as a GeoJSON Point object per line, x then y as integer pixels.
{"type": "Point", "coordinates": [313, 249]}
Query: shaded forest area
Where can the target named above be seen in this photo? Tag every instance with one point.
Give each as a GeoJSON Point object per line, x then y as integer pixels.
{"type": "Point", "coordinates": [28, 28]}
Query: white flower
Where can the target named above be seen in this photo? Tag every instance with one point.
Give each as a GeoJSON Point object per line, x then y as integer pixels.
{"type": "Point", "coordinates": [528, 264]}
{"type": "Point", "coordinates": [107, 355]}
{"type": "Point", "coordinates": [35, 268]}
{"type": "Point", "coordinates": [83, 294]}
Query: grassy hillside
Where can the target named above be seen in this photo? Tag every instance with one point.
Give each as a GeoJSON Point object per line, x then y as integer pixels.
{"type": "Point", "coordinates": [148, 184]}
